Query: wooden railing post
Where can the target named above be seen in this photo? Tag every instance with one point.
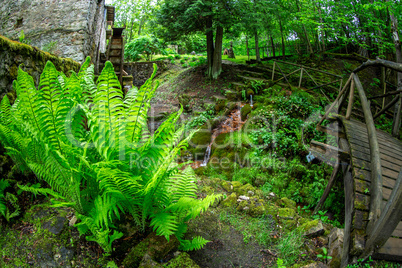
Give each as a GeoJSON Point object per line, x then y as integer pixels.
{"type": "Point", "coordinates": [301, 76]}
{"type": "Point", "coordinates": [389, 219]}
{"type": "Point", "coordinates": [376, 173]}
{"type": "Point", "coordinates": [273, 71]}
{"type": "Point", "coordinates": [351, 99]}
{"type": "Point", "coordinates": [335, 101]}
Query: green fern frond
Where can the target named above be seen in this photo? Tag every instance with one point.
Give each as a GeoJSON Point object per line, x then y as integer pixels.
{"type": "Point", "coordinates": [84, 67]}
{"type": "Point", "coordinates": [197, 243]}
{"type": "Point", "coordinates": [164, 224]}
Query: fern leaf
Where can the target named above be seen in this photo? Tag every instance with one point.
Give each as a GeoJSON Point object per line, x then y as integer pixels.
{"type": "Point", "coordinates": [197, 243]}
{"type": "Point", "coordinates": [164, 224]}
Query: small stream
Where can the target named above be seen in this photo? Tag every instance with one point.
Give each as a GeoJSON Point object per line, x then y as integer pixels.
{"type": "Point", "coordinates": [232, 123]}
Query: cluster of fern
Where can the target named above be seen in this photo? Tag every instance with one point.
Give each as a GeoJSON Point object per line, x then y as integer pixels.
{"type": "Point", "coordinates": [92, 146]}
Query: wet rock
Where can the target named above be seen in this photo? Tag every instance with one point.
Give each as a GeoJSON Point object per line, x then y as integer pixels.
{"type": "Point", "coordinates": [55, 225]}
{"type": "Point", "coordinates": [245, 111]}
{"type": "Point", "coordinates": [155, 246]}
{"type": "Point", "coordinates": [243, 198]}
{"type": "Point", "coordinates": [250, 193]}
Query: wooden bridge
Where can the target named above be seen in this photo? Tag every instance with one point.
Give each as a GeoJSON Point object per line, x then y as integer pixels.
{"type": "Point", "coordinates": [371, 161]}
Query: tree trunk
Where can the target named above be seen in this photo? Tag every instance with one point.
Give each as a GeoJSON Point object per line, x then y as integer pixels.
{"type": "Point", "coordinates": [283, 41]}
{"type": "Point", "coordinates": [257, 48]}
{"type": "Point", "coordinates": [210, 46]}
{"type": "Point", "coordinates": [217, 59]}
{"type": "Point", "coordinates": [273, 46]}
{"type": "Point", "coordinates": [142, 22]}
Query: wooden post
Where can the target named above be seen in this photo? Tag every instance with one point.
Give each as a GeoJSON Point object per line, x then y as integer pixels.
{"type": "Point", "coordinates": [375, 161]}
{"type": "Point", "coordinates": [335, 101]}
{"type": "Point", "coordinates": [328, 188]}
{"type": "Point", "coordinates": [284, 76]}
{"type": "Point", "coordinates": [384, 83]}
{"type": "Point", "coordinates": [389, 105]}
{"type": "Point", "coordinates": [389, 219]}
{"type": "Point", "coordinates": [301, 76]}
{"type": "Point", "coordinates": [273, 71]}
{"type": "Point", "coordinates": [311, 78]}
{"type": "Point", "coordinates": [351, 99]}
{"type": "Point", "coordinates": [340, 84]}
{"type": "Point", "coordinates": [397, 118]}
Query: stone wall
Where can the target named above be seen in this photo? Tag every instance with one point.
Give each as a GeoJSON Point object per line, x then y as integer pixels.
{"type": "Point", "coordinates": [66, 28]}
{"type": "Point", "coordinates": [13, 54]}
{"type": "Point", "coordinates": [141, 71]}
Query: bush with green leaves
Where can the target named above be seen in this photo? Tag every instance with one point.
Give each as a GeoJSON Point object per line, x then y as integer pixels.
{"type": "Point", "coordinates": [144, 46]}
{"type": "Point", "coordinates": [92, 146]}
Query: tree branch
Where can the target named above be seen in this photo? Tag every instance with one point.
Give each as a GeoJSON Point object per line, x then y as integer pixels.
{"type": "Point", "coordinates": [379, 62]}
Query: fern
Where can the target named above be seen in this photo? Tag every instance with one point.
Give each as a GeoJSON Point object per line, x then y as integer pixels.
{"type": "Point", "coordinates": [92, 146]}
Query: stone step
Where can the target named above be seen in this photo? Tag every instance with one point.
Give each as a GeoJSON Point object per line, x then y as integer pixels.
{"type": "Point", "coordinates": [237, 84]}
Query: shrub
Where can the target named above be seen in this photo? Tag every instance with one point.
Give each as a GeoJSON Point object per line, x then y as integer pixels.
{"type": "Point", "coordinates": [93, 148]}
{"type": "Point", "coordinates": [144, 46]}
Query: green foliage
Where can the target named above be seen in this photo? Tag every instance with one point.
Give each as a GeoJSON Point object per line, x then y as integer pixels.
{"type": "Point", "coordinates": [279, 263]}
{"type": "Point", "coordinates": [10, 199]}
{"type": "Point", "coordinates": [290, 247]}
{"type": "Point", "coordinates": [324, 255]}
{"type": "Point", "coordinates": [144, 46]}
{"type": "Point", "coordinates": [92, 146]}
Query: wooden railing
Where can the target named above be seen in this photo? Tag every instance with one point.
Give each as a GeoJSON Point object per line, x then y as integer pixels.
{"type": "Point", "coordinates": [381, 221]}
{"type": "Point", "coordinates": [304, 70]}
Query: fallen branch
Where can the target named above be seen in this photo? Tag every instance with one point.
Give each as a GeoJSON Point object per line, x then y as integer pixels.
{"type": "Point", "coordinates": [379, 62]}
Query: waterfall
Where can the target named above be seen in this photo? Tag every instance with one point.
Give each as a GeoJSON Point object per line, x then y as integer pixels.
{"type": "Point", "coordinates": [207, 156]}
{"type": "Point", "coordinates": [251, 100]}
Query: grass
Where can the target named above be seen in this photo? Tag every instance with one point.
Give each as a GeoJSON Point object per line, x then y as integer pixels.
{"type": "Point", "coordinates": [239, 59]}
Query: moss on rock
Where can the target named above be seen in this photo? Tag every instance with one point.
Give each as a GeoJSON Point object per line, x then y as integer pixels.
{"type": "Point", "coordinates": [181, 261]}
{"type": "Point", "coordinates": [286, 213]}
{"type": "Point", "coordinates": [230, 201]}
{"type": "Point", "coordinates": [245, 110]}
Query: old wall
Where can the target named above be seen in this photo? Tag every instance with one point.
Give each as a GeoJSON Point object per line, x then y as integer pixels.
{"type": "Point", "coordinates": [67, 28]}
{"type": "Point", "coordinates": [141, 71]}
{"type": "Point", "coordinates": [13, 54]}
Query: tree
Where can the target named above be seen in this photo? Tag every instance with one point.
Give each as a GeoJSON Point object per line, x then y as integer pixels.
{"type": "Point", "coordinates": [183, 17]}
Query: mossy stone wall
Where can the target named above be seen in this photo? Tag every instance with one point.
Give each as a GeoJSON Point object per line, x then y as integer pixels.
{"type": "Point", "coordinates": [141, 71]}
{"type": "Point", "coordinates": [67, 28]}
{"type": "Point", "coordinates": [31, 59]}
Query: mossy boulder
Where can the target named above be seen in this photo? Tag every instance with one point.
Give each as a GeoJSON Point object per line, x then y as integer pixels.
{"type": "Point", "coordinates": [230, 201]}
{"type": "Point", "coordinates": [199, 142]}
{"type": "Point", "coordinates": [220, 105]}
{"type": "Point", "coordinates": [231, 95]}
{"type": "Point", "coordinates": [312, 228]}
{"type": "Point", "coordinates": [183, 260]}
{"type": "Point", "coordinates": [153, 245]}
{"type": "Point", "coordinates": [244, 189]}
{"type": "Point", "coordinates": [245, 110]}
{"type": "Point", "coordinates": [286, 202]}
{"type": "Point", "coordinates": [286, 213]}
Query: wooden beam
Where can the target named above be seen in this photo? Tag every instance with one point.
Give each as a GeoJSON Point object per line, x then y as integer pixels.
{"type": "Point", "coordinates": [349, 207]}
{"type": "Point", "coordinates": [284, 76]}
{"type": "Point", "coordinates": [386, 95]}
{"type": "Point", "coordinates": [376, 174]}
{"type": "Point", "coordinates": [379, 62]}
{"type": "Point", "coordinates": [397, 119]}
{"type": "Point", "coordinates": [388, 221]}
{"type": "Point", "coordinates": [305, 67]}
{"type": "Point", "coordinates": [389, 105]}
{"type": "Point", "coordinates": [351, 99]}
{"type": "Point", "coordinates": [335, 101]}
{"type": "Point", "coordinates": [328, 188]}
{"type": "Point", "coordinates": [331, 131]}
{"type": "Point", "coordinates": [329, 149]}
{"type": "Point", "coordinates": [273, 71]}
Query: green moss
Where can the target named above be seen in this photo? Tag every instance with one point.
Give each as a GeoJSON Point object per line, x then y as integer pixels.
{"type": "Point", "coordinates": [134, 257]}
{"type": "Point", "coordinates": [182, 261]}
{"type": "Point", "coordinates": [308, 225]}
{"type": "Point", "coordinates": [230, 201]}
{"type": "Point", "coordinates": [286, 213]}
{"type": "Point", "coordinates": [286, 202]}
{"type": "Point", "coordinates": [244, 189]}
{"type": "Point", "coordinates": [245, 110]}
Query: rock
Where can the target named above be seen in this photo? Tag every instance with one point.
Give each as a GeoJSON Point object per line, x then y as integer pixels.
{"type": "Point", "coordinates": [155, 246]}
{"type": "Point", "coordinates": [72, 221]}
{"type": "Point", "coordinates": [192, 53]}
{"type": "Point", "coordinates": [244, 189]}
{"type": "Point", "coordinates": [286, 213]}
{"type": "Point", "coordinates": [250, 193]}
{"type": "Point", "coordinates": [230, 201]}
{"type": "Point", "coordinates": [312, 228]}
{"type": "Point", "coordinates": [245, 110]}
{"type": "Point", "coordinates": [286, 202]}
{"type": "Point", "coordinates": [231, 95]}
{"type": "Point", "coordinates": [243, 198]}
{"type": "Point", "coordinates": [148, 262]}
{"type": "Point", "coordinates": [271, 195]}
{"type": "Point", "coordinates": [185, 100]}
{"type": "Point", "coordinates": [55, 225]}
{"type": "Point", "coordinates": [272, 210]}
{"type": "Point", "coordinates": [181, 260]}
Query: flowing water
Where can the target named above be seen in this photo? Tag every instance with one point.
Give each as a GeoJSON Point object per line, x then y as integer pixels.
{"type": "Point", "coordinates": [232, 123]}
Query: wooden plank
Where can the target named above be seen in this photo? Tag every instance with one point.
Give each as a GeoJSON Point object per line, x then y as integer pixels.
{"type": "Point", "coordinates": [362, 126]}
{"type": "Point", "coordinates": [358, 163]}
{"type": "Point", "coordinates": [366, 176]}
{"type": "Point", "coordinates": [349, 201]}
{"type": "Point", "coordinates": [383, 142]}
{"type": "Point", "coordinates": [389, 219]}
{"type": "Point", "coordinates": [384, 163]}
{"type": "Point", "coordinates": [392, 250]}
{"type": "Point", "coordinates": [330, 149]}
{"type": "Point", "coordinates": [360, 219]}
{"type": "Point", "coordinates": [331, 131]}
{"type": "Point", "coordinates": [398, 230]}
{"type": "Point", "coordinates": [354, 142]}
{"type": "Point", "coordinates": [362, 186]}
{"type": "Point", "coordinates": [363, 150]}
